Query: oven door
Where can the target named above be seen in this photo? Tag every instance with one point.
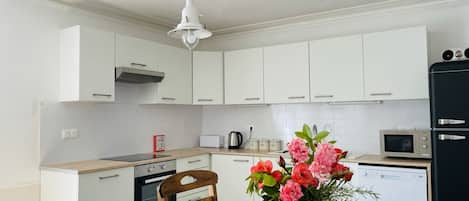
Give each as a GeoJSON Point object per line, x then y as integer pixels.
{"type": "Point", "coordinates": [146, 188]}
{"type": "Point", "coordinates": [398, 145]}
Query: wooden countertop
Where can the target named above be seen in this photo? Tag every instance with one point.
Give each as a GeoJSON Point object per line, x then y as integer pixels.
{"type": "Point", "coordinates": [83, 167]}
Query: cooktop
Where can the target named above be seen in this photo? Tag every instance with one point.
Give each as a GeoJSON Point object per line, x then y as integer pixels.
{"type": "Point", "coordinates": [136, 157]}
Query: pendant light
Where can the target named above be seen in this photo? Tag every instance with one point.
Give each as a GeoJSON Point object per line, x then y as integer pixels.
{"type": "Point", "coordinates": [190, 30]}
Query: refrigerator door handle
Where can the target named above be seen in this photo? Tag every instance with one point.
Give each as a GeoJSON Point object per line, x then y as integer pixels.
{"type": "Point", "coordinates": [444, 137]}
{"type": "Point", "coordinates": [443, 122]}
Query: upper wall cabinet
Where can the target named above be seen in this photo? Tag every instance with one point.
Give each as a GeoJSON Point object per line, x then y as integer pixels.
{"type": "Point", "coordinates": [244, 82]}
{"type": "Point", "coordinates": [135, 52]}
{"type": "Point", "coordinates": [336, 69]}
{"type": "Point", "coordinates": [286, 73]}
{"type": "Point", "coordinates": [396, 64]}
{"type": "Point", "coordinates": [176, 87]}
{"type": "Point", "coordinates": [207, 78]}
{"type": "Point", "coordinates": [86, 65]}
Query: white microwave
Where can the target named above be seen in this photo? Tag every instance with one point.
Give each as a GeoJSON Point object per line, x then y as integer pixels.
{"type": "Point", "coordinates": [406, 143]}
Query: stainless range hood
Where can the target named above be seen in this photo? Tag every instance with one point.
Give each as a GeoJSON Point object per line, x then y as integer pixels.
{"type": "Point", "coordinates": [138, 75]}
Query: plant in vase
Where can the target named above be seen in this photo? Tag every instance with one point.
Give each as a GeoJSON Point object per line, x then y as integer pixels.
{"type": "Point", "coordinates": [316, 175]}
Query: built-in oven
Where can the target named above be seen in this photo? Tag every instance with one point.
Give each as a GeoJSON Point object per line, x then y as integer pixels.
{"type": "Point", "coordinates": [149, 177]}
{"type": "Point", "coordinates": [406, 143]}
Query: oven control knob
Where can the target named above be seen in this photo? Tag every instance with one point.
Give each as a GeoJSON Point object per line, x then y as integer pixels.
{"type": "Point", "coordinates": [162, 167]}
{"type": "Point", "coordinates": [150, 169]}
{"type": "Point", "coordinates": [424, 146]}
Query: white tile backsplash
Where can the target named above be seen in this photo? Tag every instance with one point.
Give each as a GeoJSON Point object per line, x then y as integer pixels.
{"type": "Point", "coordinates": [356, 127]}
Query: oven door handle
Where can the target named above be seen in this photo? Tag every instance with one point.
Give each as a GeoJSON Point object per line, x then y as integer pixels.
{"type": "Point", "coordinates": [156, 180]}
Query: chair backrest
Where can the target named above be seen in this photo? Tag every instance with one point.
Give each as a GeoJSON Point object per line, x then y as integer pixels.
{"type": "Point", "coordinates": [202, 178]}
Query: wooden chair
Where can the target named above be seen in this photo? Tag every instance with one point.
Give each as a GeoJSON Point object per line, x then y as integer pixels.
{"type": "Point", "coordinates": [202, 178]}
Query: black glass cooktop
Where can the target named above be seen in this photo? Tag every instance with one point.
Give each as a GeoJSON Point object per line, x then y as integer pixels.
{"type": "Point", "coordinates": [136, 157]}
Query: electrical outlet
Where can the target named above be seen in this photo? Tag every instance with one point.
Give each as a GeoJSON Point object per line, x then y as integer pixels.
{"type": "Point", "coordinates": [70, 133]}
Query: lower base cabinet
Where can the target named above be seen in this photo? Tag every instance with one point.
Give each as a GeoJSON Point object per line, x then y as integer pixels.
{"type": "Point", "coordinates": [115, 185]}
{"type": "Point", "coordinates": [232, 172]}
{"type": "Point", "coordinates": [201, 162]}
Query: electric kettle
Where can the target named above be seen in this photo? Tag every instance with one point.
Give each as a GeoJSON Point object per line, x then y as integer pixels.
{"type": "Point", "coordinates": [235, 140]}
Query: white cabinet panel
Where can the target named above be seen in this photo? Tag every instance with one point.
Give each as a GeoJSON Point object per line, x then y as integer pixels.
{"type": "Point", "coordinates": [86, 65]}
{"type": "Point", "coordinates": [396, 64]}
{"type": "Point", "coordinates": [116, 185]}
{"type": "Point", "coordinates": [286, 73]}
{"type": "Point", "coordinates": [176, 87]}
{"type": "Point", "coordinates": [403, 184]}
{"type": "Point", "coordinates": [336, 69]}
{"type": "Point", "coordinates": [201, 162]}
{"type": "Point", "coordinates": [207, 78]}
{"type": "Point", "coordinates": [232, 172]}
{"type": "Point", "coordinates": [136, 52]}
{"type": "Point", "coordinates": [244, 82]}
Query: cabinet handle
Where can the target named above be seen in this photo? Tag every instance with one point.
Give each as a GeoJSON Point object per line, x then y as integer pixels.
{"type": "Point", "coordinates": [109, 177]}
{"type": "Point", "coordinates": [195, 199]}
{"type": "Point", "coordinates": [194, 161]}
{"type": "Point", "coordinates": [443, 137]}
{"type": "Point", "coordinates": [138, 64]}
{"type": "Point", "coordinates": [252, 99]}
{"type": "Point", "coordinates": [381, 94]}
{"type": "Point", "coordinates": [205, 100]}
{"type": "Point", "coordinates": [103, 95]}
{"type": "Point", "coordinates": [451, 122]}
{"type": "Point", "coordinates": [240, 161]}
{"type": "Point", "coordinates": [168, 98]}
{"type": "Point", "coordinates": [324, 96]}
{"type": "Point", "coordinates": [296, 97]}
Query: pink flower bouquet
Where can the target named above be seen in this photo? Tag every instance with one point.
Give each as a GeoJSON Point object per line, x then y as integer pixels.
{"type": "Point", "coordinates": [316, 175]}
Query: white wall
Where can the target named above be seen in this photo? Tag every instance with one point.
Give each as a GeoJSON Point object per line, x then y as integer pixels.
{"type": "Point", "coordinates": [356, 127]}
{"type": "Point", "coordinates": [29, 50]}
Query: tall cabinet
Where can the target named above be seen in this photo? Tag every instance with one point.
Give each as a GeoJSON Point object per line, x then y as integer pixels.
{"type": "Point", "coordinates": [286, 73]}
{"type": "Point", "coordinates": [244, 76]}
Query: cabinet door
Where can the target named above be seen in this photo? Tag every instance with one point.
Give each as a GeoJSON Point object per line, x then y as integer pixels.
{"type": "Point", "coordinates": [396, 64]}
{"type": "Point", "coordinates": [176, 87]}
{"type": "Point", "coordinates": [96, 65]}
{"type": "Point", "coordinates": [207, 78]}
{"type": "Point", "coordinates": [244, 82]}
{"type": "Point", "coordinates": [286, 73]}
{"type": "Point", "coordinates": [336, 69]}
{"type": "Point", "coordinates": [232, 172]}
{"type": "Point", "coordinates": [135, 52]}
{"type": "Point", "coordinates": [116, 185]}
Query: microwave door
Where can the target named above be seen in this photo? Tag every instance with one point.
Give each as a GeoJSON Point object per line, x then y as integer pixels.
{"type": "Point", "coordinates": [449, 96]}
{"type": "Point", "coordinates": [450, 165]}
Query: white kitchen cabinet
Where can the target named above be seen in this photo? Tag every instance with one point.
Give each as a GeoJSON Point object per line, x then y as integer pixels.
{"type": "Point", "coordinates": [201, 162]}
{"type": "Point", "coordinates": [286, 73]}
{"type": "Point", "coordinates": [176, 86]}
{"type": "Point", "coordinates": [232, 172]}
{"type": "Point", "coordinates": [116, 185]}
{"type": "Point", "coordinates": [136, 52]}
{"type": "Point", "coordinates": [336, 69]}
{"type": "Point", "coordinates": [391, 183]}
{"type": "Point", "coordinates": [207, 78]}
{"type": "Point", "coordinates": [244, 80]}
{"type": "Point", "coordinates": [86, 65]}
{"type": "Point", "coordinates": [396, 64]}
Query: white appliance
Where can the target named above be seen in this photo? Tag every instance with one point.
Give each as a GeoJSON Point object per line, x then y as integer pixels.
{"type": "Point", "coordinates": [212, 141]}
{"type": "Point", "coordinates": [392, 183]}
{"type": "Point", "coordinates": [406, 143]}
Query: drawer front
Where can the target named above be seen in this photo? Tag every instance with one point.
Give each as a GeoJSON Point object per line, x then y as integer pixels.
{"type": "Point", "coordinates": [191, 163]}
{"type": "Point", "coordinates": [194, 197]}
{"type": "Point", "coordinates": [115, 185]}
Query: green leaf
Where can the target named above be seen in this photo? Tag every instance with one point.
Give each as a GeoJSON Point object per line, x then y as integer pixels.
{"type": "Point", "coordinates": [268, 180]}
{"type": "Point", "coordinates": [332, 142]}
{"type": "Point", "coordinates": [301, 135]}
{"type": "Point", "coordinates": [321, 136]}
{"type": "Point", "coordinates": [307, 131]}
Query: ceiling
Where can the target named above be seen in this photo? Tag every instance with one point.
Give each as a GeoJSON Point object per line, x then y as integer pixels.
{"type": "Point", "coordinates": [224, 16]}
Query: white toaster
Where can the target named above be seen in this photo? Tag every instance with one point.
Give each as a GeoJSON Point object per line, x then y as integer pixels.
{"type": "Point", "coordinates": [212, 141]}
